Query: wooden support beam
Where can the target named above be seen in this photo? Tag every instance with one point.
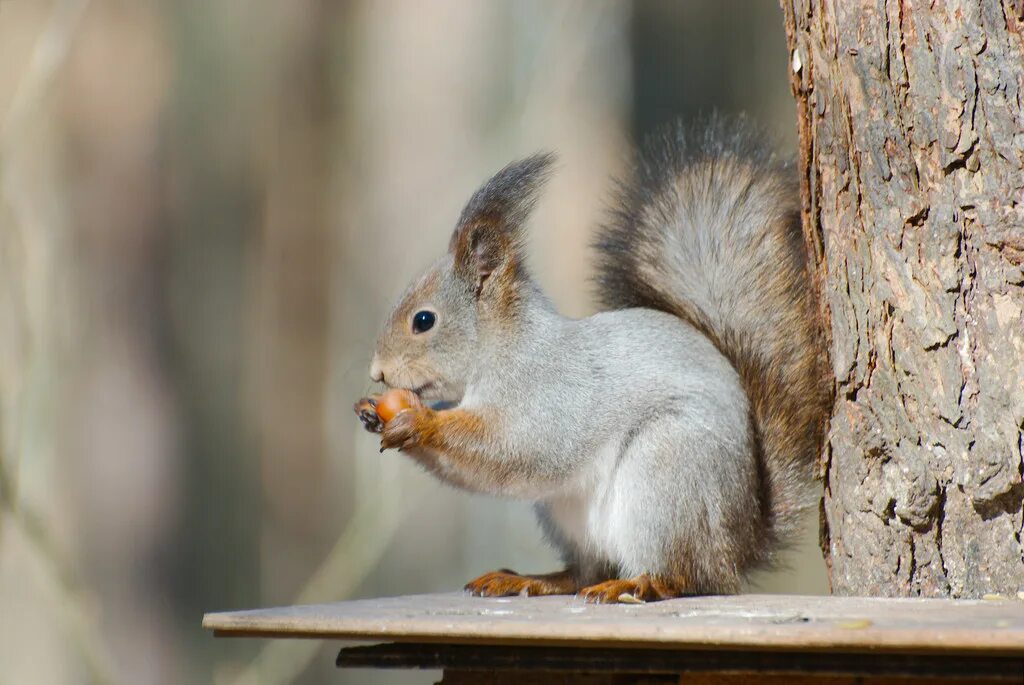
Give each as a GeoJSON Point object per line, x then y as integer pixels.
{"type": "Point", "coordinates": [698, 666]}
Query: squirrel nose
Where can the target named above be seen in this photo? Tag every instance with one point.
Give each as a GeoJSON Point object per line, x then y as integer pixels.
{"type": "Point", "coordinates": [376, 373]}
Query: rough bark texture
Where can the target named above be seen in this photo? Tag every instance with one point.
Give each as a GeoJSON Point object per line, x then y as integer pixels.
{"type": "Point", "coordinates": [912, 155]}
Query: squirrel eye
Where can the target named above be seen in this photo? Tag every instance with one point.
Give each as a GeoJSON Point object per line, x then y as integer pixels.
{"type": "Point", "coordinates": [423, 321]}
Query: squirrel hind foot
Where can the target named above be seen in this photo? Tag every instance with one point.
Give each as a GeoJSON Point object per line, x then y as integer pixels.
{"type": "Point", "coordinates": [506, 583]}
{"type": "Point", "coordinates": [642, 588]}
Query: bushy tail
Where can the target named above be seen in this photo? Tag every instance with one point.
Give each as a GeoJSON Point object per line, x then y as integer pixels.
{"type": "Point", "coordinates": [709, 230]}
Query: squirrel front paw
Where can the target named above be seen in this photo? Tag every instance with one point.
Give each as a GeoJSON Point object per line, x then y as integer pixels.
{"type": "Point", "coordinates": [377, 410]}
{"type": "Point", "coordinates": [404, 430]}
{"type": "Point", "coordinates": [366, 410]}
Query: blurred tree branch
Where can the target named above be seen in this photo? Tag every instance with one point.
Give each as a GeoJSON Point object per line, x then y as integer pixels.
{"type": "Point", "coordinates": [357, 551]}
{"type": "Point", "coordinates": [72, 600]}
{"type": "Point", "coordinates": [48, 57]}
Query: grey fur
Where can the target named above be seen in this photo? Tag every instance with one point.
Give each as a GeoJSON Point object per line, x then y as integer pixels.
{"type": "Point", "coordinates": [632, 430]}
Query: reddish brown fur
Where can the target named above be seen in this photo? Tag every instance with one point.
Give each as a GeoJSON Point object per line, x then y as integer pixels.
{"type": "Point", "coordinates": [486, 252]}
{"type": "Point", "coordinates": [460, 438]}
{"type": "Point", "coordinates": [505, 583]}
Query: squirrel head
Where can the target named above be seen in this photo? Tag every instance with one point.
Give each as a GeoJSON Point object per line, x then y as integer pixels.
{"type": "Point", "coordinates": [432, 340]}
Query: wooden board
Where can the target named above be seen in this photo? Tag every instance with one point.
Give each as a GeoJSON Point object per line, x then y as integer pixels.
{"type": "Point", "coordinates": [741, 622]}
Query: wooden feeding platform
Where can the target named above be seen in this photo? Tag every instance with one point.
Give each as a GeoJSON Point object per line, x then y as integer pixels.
{"type": "Point", "coordinates": [729, 639]}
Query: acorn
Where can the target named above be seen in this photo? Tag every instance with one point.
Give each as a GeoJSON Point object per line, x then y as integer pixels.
{"type": "Point", "coordinates": [394, 401]}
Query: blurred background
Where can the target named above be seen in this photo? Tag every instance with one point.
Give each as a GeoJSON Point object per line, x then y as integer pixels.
{"type": "Point", "coordinates": [206, 208]}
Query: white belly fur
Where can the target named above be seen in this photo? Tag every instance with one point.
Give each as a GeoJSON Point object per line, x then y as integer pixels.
{"type": "Point", "coordinates": [586, 514]}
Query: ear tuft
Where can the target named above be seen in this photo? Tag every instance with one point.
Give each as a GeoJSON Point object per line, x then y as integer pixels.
{"type": "Point", "coordinates": [489, 231]}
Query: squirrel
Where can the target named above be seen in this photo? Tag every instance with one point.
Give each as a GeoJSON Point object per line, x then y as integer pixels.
{"type": "Point", "coordinates": [668, 442]}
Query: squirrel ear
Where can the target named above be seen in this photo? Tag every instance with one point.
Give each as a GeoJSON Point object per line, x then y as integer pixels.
{"type": "Point", "coordinates": [489, 234]}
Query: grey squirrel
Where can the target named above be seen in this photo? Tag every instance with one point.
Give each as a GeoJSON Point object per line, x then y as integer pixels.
{"type": "Point", "coordinates": [667, 442]}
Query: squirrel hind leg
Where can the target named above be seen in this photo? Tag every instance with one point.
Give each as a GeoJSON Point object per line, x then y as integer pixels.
{"type": "Point", "coordinates": [506, 583]}
{"type": "Point", "coordinates": [644, 587]}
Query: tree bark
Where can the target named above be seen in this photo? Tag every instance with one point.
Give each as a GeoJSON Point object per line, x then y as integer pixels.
{"type": "Point", "coordinates": [912, 162]}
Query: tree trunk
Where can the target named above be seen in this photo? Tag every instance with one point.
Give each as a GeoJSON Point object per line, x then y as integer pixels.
{"type": "Point", "coordinates": [912, 165]}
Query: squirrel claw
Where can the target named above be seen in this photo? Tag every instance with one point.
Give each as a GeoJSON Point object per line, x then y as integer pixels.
{"type": "Point", "coordinates": [636, 590]}
{"type": "Point", "coordinates": [610, 591]}
{"type": "Point", "coordinates": [400, 432]}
